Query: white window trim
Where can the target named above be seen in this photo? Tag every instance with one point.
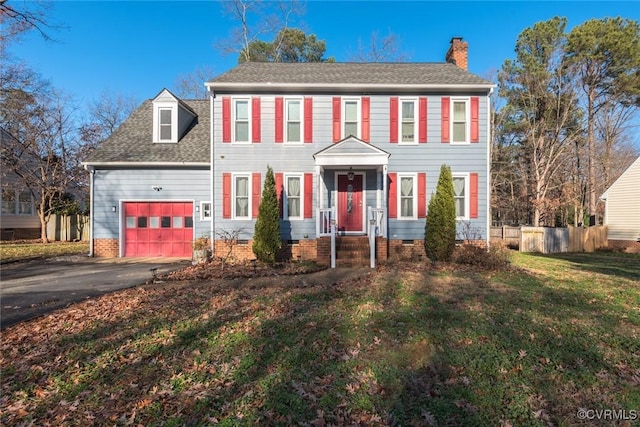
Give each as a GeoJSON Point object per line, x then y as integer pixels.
{"type": "Point", "coordinates": [233, 121]}
{"type": "Point", "coordinates": [467, 133]}
{"type": "Point", "coordinates": [358, 113]}
{"type": "Point", "coordinates": [285, 204]}
{"type": "Point", "coordinates": [466, 194]}
{"type": "Point", "coordinates": [414, 177]}
{"type": "Point", "coordinates": [157, 107]}
{"type": "Point", "coordinates": [286, 121]}
{"type": "Point", "coordinates": [16, 203]}
{"type": "Point", "coordinates": [203, 211]}
{"type": "Point", "coordinates": [415, 121]}
{"type": "Point", "coordinates": [233, 195]}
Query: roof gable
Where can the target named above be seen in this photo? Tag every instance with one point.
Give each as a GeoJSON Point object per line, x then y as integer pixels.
{"type": "Point", "coordinates": [351, 151]}
{"type": "Point", "coordinates": [635, 165]}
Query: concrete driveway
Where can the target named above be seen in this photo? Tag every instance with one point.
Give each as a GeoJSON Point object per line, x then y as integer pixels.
{"type": "Point", "coordinates": [32, 288]}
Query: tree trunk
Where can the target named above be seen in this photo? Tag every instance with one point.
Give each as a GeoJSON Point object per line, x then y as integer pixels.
{"type": "Point", "coordinates": [592, 159]}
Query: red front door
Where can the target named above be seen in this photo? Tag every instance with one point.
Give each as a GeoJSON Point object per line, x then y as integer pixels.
{"type": "Point", "coordinates": [162, 229]}
{"type": "Point", "coordinates": [350, 204]}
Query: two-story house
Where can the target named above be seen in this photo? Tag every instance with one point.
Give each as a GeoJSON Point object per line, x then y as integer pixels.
{"type": "Point", "coordinates": [356, 145]}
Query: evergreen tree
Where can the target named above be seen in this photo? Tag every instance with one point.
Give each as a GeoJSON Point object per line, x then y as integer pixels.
{"type": "Point", "coordinates": [440, 228]}
{"type": "Point", "coordinates": [266, 237]}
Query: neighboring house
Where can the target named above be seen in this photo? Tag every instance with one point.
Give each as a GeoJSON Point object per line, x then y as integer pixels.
{"type": "Point", "coordinates": [622, 211]}
{"type": "Point", "coordinates": [348, 142]}
{"type": "Point", "coordinates": [18, 218]}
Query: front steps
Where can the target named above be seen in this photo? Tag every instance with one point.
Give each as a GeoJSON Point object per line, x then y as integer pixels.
{"type": "Point", "coordinates": [352, 251]}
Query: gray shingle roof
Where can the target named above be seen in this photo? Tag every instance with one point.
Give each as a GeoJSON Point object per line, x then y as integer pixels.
{"type": "Point", "coordinates": [133, 140]}
{"type": "Point", "coordinates": [327, 73]}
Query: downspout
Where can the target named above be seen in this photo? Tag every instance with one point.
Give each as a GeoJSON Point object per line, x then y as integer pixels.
{"type": "Point", "coordinates": [211, 178]}
{"type": "Point", "coordinates": [488, 191]}
{"type": "Point", "coordinates": [92, 173]}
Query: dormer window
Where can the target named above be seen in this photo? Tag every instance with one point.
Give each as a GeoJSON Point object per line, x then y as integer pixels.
{"type": "Point", "coordinates": [165, 124]}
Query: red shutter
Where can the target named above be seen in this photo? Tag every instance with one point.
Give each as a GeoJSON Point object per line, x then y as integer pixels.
{"type": "Point", "coordinates": [473, 195]}
{"type": "Point", "coordinates": [422, 117]}
{"type": "Point", "coordinates": [336, 118]}
{"type": "Point", "coordinates": [393, 124]}
{"type": "Point", "coordinates": [279, 188]}
{"type": "Point", "coordinates": [308, 120]}
{"type": "Point", "coordinates": [308, 195]}
{"type": "Point", "coordinates": [393, 195]}
{"type": "Point", "coordinates": [475, 107]}
{"type": "Point", "coordinates": [366, 125]}
{"type": "Point", "coordinates": [226, 195]}
{"type": "Point", "coordinates": [445, 119]}
{"type": "Point", "coordinates": [422, 195]}
{"type": "Point", "coordinates": [279, 120]}
{"type": "Point", "coordinates": [255, 114]}
{"type": "Point", "coordinates": [255, 189]}
{"type": "Point", "coordinates": [226, 119]}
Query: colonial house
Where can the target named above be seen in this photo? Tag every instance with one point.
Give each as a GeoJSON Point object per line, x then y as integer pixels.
{"type": "Point", "coordinates": [622, 209]}
{"type": "Point", "coordinates": [356, 149]}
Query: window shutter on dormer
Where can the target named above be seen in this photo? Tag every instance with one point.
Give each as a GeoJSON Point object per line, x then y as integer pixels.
{"type": "Point", "coordinates": [444, 126]}
{"type": "Point", "coordinates": [366, 125]}
{"type": "Point", "coordinates": [226, 195]}
{"type": "Point", "coordinates": [393, 121]}
{"type": "Point", "coordinates": [475, 115]}
{"type": "Point", "coordinates": [255, 125]}
{"type": "Point", "coordinates": [255, 197]}
{"type": "Point", "coordinates": [422, 195]}
{"type": "Point", "coordinates": [422, 120]}
{"type": "Point", "coordinates": [308, 120]}
{"type": "Point", "coordinates": [308, 195]}
{"type": "Point", "coordinates": [279, 189]}
{"type": "Point", "coordinates": [279, 137]}
{"type": "Point", "coordinates": [473, 195]}
{"type": "Point", "coordinates": [226, 119]}
{"type": "Point", "coordinates": [336, 118]}
{"type": "Point", "coordinates": [392, 208]}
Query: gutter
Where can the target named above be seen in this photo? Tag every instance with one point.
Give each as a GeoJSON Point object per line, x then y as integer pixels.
{"type": "Point", "coordinates": [92, 173]}
{"type": "Point", "coordinates": [154, 164]}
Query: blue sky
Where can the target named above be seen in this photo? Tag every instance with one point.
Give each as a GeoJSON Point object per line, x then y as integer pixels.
{"type": "Point", "coordinates": [138, 48]}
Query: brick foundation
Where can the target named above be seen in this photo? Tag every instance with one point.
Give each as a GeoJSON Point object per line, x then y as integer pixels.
{"type": "Point", "coordinates": [303, 250]}
{"type": "Point", "coordinates": [107, 248]}
{"type": "Point", "coordinates": [401, 250]}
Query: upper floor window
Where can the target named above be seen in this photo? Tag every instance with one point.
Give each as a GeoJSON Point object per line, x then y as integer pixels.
{"type": "Point", "coordinates": [165, 124]}
{"type": "Point", "coordinates": [351, 117]}
{"type": "Point", "coordinates": [460, 121]}
{"type": "Point", "coordinates": [241, 123]}
{"type": "Point", "coordinates": [293, 111]}
{"type": "Point", "coordinates": [461, 195]}
{"type": "Point", "coordinates": [408, 126]}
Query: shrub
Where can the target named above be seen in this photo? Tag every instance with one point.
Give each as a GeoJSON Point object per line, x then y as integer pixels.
{"type": "Point", "coordinates": [440, 227]}
{"type": "Point", "coordinates": [266, 237]}
{"type": "Point", "coordinates": [497, 258]}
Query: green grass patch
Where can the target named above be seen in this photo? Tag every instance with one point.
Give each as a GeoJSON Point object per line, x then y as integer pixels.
{"type": "Point", "coordinates": [10, 251]}
{"type": "Point", "coordinates": [401, 346]}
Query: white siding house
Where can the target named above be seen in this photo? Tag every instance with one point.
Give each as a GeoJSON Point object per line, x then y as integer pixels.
{"type": "Point", "coordinates": [622, 212]}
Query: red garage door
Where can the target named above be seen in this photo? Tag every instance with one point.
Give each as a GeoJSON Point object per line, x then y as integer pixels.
{"type": "Point", "coordinates": [162, 229]}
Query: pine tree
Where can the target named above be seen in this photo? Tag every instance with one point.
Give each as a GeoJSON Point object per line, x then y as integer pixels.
{"type": "Point", "coordinates": [440, 228]}
{"type": "Point", "coordinates": [266, 237]}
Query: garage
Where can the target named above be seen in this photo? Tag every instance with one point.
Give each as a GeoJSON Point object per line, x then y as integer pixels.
{"type": "Point", "coordinates": [158, 229]}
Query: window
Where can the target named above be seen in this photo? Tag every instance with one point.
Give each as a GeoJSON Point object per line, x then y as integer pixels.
{"type": "Point", "coordinates": [205, 210]}
{"type": "Point", "coordinates": [165, 124]}
{"type": "Point", "coordinates": [460, 195]}
{"type": "Point", "coordinates": [25, 204]}
{"type": "Point", "coordinates": [8, 201]}
{"type": "Point", "coordinates": [241, 192]}
{"type": "Point", "coordinates": [408, 124]}
{"type": "Point", "coordinates": [351, 117]}
{"type": "Point", "coordinates": [294, 191]}
{"type": "Point", "coordinates": [241, 116]}
{"type": "Point", "coordinates": [460, 121]}
{"type": "Point", "coordinates": [293, 112]}
{"type": "Point", "coordinates": [407, 197]}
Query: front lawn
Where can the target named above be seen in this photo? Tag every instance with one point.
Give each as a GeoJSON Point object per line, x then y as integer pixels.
{"type": "Point", "coordinates": [34, 249]}
{"type": "Point", "coordinates": [404, 345]}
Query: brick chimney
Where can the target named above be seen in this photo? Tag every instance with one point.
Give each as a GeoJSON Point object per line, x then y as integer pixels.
{"type": "Point", "coordinates": [457, 53]}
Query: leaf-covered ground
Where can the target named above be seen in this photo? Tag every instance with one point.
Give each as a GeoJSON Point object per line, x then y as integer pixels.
{"type": "Point", "coordinates": [403, 345]}
{"type": "Point", "coordinates": [20, 250]}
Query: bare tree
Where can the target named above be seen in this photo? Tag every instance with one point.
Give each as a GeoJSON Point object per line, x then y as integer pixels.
{"type": "Point", "coordinates": [385, 49]}
{"type": "Point", "coordinates": [16, 21]}
{"type": "Point", "coordinates": [191, 85]}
